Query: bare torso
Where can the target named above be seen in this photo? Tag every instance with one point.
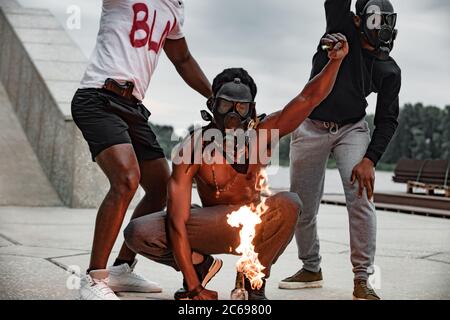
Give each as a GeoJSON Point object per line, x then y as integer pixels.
{"type": "Point", "coordinates": [229, 187]}
{"type": "Point", "coordinates": [220, 184]}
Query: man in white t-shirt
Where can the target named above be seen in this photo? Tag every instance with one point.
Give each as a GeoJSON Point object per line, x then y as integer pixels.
{"type": "Point", "coordinates": [108, 110]}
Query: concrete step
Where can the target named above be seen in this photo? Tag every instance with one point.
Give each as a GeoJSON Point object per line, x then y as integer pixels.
{"type": "Point", "coordinates": [22, 180]}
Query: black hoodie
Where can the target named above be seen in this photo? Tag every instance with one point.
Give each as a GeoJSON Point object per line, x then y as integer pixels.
{"type": "Point", "coordinates": [360, 74]}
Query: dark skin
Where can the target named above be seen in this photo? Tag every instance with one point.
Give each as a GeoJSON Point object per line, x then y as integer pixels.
{"type": "Point", "coordinates": [187, 67]}
{"type": "Point", "coordinates": [154, 177]}
{"type": "Point", "coordinates": [364, 171]}
{"type": "Point", "coordinates": [125, 173]}
{"type": "Point", "coordinates": [240, 188]}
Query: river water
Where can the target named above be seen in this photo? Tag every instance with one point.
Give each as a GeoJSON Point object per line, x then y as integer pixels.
{"type": "Point", "coordinates": [279, 178]}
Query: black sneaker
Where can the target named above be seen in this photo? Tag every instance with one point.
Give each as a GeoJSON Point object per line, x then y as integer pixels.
{"type": "Point", "coordinates": [363, 292]}
{"type": "Point", "coordinates": [181, 294]}
{"type": "Point", "coordinates": [205, 272]}
{"type": "Point", "coordinates": [255, 294]}
{"type": "Point", "coordinates": [302, 279]}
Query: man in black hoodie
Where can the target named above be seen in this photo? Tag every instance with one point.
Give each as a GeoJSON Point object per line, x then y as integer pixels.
{"type": "Point", "coordinates": [337, 127]}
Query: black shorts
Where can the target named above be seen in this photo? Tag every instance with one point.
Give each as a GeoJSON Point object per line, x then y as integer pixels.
{"type": "Point", "coordinates": [106, 119]}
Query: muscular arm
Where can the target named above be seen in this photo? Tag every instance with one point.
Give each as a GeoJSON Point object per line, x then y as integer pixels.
{"type": "Point", "coordinates": [317, 89]}
{"type": "Point", "coordinates": [178, 212]}
{"type": "Point", "coordinates": [178, 53]}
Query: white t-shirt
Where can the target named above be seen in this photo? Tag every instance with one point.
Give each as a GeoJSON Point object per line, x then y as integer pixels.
{"type": "Point", "coordinates": [130, 40]}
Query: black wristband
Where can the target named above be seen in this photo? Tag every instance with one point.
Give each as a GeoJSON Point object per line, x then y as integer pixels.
{"type": "Point", "coordinates": [195, 292]}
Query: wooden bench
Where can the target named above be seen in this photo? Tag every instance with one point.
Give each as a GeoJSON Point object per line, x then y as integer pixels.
{"type": "Point", "coordinates": [429, 188]}
{"type": "Point", "coordinates": [430, 175]}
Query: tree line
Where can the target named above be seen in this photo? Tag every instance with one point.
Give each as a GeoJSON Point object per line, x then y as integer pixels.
{"type": "Point", "coordinates": [423, 133]}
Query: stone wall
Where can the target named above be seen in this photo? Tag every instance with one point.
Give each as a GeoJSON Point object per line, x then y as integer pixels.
{"type": "Point", "coordinates": [40, 69]}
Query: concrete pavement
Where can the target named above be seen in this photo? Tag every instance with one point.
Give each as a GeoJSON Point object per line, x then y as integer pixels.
{"type": "Point", "coordinates": [37, 246]}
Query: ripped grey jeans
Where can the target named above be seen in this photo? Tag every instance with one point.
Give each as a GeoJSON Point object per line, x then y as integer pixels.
{"type": "Point", "coordinates": [312, 144]}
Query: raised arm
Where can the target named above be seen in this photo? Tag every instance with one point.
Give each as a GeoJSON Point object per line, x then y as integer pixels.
{"type": "Point", "coordinates": [317, 89]}
{"type": "Point", "coordinates": [187, 67]}
{"type": "Point", "coordinates": [336, 12]}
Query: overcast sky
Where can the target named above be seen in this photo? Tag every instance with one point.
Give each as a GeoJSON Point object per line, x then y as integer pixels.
{"type": "Point", "coordinates": [275, 41]}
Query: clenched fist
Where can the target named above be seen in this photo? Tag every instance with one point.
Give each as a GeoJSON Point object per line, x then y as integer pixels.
{"type": "Point", "coordinates": [336, 44]}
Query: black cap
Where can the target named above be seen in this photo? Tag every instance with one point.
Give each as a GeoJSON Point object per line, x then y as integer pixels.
{"type": "Point", "coordinates": [235, 91]}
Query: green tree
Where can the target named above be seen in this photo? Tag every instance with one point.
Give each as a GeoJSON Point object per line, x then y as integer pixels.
{"type": "Point", "coordinates": [445, 139]}
{"type": "Point", "coordinates": [285, 146]}
{"type": "Point", "coordinates": [166, 138]}
{"type": "Point", "coordinates": [423, 133]}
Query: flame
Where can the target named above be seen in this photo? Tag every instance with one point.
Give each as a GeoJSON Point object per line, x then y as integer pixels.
{"type": "Point", "coordinates": [262, 184]}
{"type": "Point", "coordinates": [249, 217]}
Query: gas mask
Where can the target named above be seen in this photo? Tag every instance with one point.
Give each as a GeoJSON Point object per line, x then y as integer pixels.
{"type": "Point", "coordinates": [378, 26]}
{"type": "Point", "coordinates": [233, 106]}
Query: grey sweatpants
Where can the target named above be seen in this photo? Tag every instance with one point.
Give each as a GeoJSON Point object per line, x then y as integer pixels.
{"type": "Point", "coordinates": [209, 232]}
{"type": "Point", "coordinates": [312, 144]}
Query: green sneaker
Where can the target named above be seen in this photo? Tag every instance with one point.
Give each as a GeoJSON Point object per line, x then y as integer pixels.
{"type": "Point", "coordinates": [363, 292]}
{"type": "Point", "coordinates": [302, 279]}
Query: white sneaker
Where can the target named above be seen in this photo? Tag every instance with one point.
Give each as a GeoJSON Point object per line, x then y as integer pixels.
{"type": "Point", "coordinates": [123, 278]}
{"type": "Point", "coordinates": [94, 286]}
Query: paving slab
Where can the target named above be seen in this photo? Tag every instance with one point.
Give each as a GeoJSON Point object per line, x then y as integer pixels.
{"type": "Point", "coordinates": [38, 252]}
{"type": "Point", "coordinates": [441, 257]}
{"type": "Point", "coordinates": [32, 278]}
{"type": "Point", "coordinates": [53, 227]}
{"type": "Point", "coordinates": [412, 260]}
{"type": "Point", "coordinates": [4, 242]}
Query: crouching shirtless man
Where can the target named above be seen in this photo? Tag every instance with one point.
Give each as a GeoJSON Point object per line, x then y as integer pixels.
{"type": "Point", "coordinates": [186, 238]}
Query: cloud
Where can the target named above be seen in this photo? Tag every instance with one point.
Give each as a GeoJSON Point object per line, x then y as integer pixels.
{"type": "Point", "coordinates": [275, 42]}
